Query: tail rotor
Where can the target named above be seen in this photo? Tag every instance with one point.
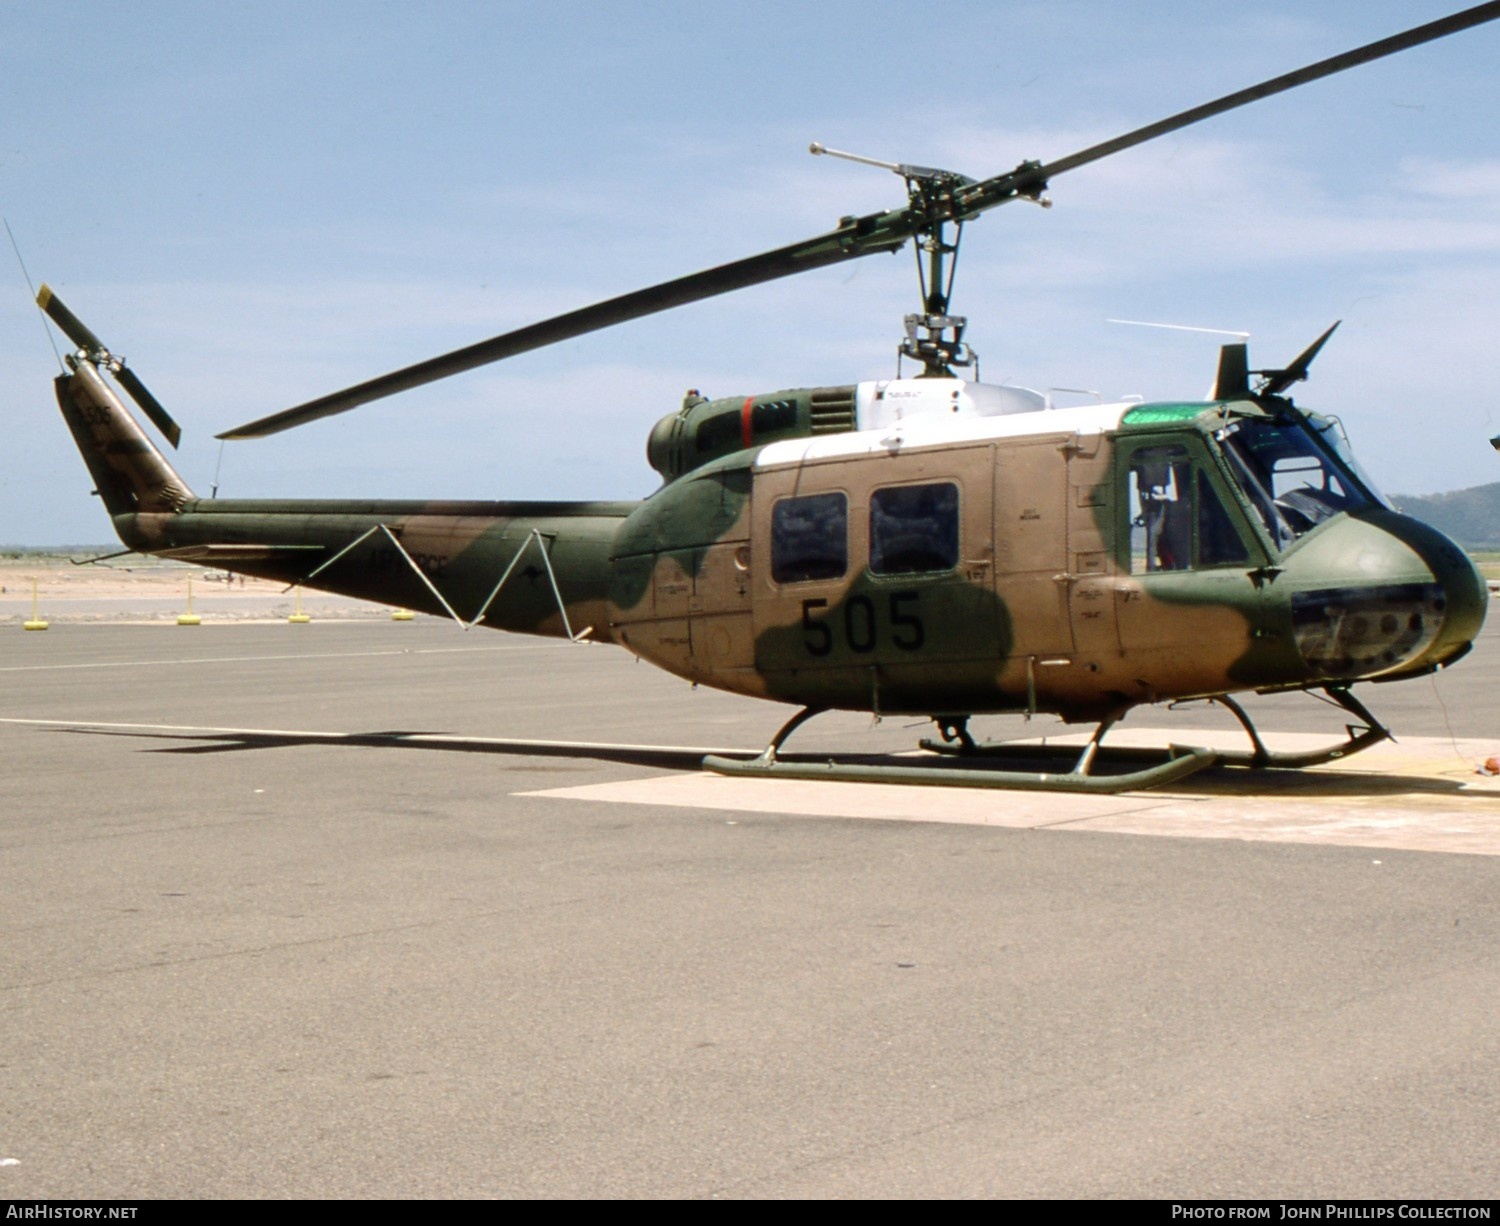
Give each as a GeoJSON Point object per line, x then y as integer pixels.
{"type": "Point", "coordinates": [92, 350]}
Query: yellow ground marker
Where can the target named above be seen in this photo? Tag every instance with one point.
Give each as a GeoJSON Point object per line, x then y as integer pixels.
{"type": "Point", "coordinates": [299, 618]}
{"type": "Point", "coordinates": [36, 622]}
{"type": "Point", "coordinates": [402, 615]}
{"type": "Point", "coordinates": [189, 618]}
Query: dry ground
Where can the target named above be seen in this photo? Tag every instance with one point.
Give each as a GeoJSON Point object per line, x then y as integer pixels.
{"type": "Point", "coordinates": [137, 589]}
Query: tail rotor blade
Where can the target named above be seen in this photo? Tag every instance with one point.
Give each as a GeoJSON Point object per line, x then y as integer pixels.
{"type": "Point", "coordinates": [81, 335]}
{"type": "Point", "coordinates": [150, 406]}
{"type": "Point", "coordinates": [73, 328]}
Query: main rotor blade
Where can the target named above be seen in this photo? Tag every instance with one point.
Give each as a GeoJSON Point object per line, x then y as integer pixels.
{"type": "Point", "coordinates": [1467, 19]}
{"type": "Point", "coordinates": [856, 237]}
{"type": "Point", "coordinates": [846, 243]}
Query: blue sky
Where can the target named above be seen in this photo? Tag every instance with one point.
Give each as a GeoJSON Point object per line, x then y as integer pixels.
{"type": "Point", "coordinates": [260, 204]}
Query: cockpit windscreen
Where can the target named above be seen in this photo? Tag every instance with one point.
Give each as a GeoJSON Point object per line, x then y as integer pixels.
{"type": "Point", "coordinates": [1292, 482]}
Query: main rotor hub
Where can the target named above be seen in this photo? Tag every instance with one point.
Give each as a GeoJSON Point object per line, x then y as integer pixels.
{"type": "Point", "coordinates": [937, 342]}
{"type": "Point", "coordinates": [934, 202]}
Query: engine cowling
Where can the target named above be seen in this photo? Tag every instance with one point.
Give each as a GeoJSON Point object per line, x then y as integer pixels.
{"type": "Point", "coordinates": [704, 430]}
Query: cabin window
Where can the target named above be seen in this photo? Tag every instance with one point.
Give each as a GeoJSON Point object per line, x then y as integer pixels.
{"type": "Point", "coordinates": [914, 529]}
{"type": "Point", "coordinates": [810, 538]}
{"type": "Point", "coordinates": [1177, 519]}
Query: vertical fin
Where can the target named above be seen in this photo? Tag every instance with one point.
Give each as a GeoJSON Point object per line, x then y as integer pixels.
{"type": "Point", "coordinates": [130, 474]}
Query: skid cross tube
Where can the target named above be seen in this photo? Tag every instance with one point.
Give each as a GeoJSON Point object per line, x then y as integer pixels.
{"type": "Point", "coordinates": [1369, 731]}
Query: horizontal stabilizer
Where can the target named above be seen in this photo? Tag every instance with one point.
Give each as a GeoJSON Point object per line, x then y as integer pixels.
{"type": "Point", "coordinates": [207, 554]}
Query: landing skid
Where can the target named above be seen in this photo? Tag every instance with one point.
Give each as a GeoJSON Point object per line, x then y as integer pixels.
{"type": "Point", "coordinates": [1181, 760]}
{"type": "Point", "coordinates": [1180, 763]}
{"type": "Point", "coordinates": [1369, 731]}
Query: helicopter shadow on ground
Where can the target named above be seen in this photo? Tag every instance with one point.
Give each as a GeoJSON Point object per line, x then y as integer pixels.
{"type": "Point", "coordinates": [1214, 782]}
{"type": "Point", "coordinates": [1348, 778]}
{"type": "Point", "coordinates": [1322, 784]}
{"type": "Point", "coordinates": [196, 743]}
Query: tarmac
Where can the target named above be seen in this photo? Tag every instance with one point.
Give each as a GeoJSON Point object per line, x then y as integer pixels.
{"type": "Point", "coordinates": [379, 909]}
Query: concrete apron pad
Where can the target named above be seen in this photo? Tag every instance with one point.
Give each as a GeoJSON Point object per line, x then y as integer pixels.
{"type": "Point", "coordinates": [1418, 794]}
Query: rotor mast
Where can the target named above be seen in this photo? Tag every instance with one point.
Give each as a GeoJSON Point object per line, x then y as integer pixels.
{"type": "Point", "coordinates": [934, 337]}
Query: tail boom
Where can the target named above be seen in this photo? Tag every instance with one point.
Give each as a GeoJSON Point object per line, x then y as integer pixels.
{"type": "Point", "coordinates": [532, 567]}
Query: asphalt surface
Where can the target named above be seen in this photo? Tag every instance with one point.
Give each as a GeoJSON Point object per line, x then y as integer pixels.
{"type": "Point", "coordinates": [288, 911]}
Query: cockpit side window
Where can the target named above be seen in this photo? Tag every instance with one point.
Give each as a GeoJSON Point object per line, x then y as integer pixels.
{"type": "Point", "coordinates": [1159, 510]}
{"type": "Point", "coordinates": [1177, 519]}
{"type": "Point", "coordinates": [1219, 544]}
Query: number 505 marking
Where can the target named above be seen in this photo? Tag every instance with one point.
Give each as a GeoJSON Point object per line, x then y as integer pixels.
{"type": "Point", "coordinates": [862, 626]}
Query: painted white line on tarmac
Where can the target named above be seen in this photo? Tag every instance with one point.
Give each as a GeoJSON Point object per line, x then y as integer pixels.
{"type": "Point", "coordinates": [300, 655]}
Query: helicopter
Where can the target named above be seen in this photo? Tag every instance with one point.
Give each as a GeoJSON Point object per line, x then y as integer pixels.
{"type": "Point", "coordinates": [927, 545]}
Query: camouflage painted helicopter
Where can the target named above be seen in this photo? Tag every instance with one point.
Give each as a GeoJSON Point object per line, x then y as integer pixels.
{"type": "Point", "coordinates": [925, 545]}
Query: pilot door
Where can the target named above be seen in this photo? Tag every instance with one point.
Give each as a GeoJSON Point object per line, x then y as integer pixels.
{"type": "Point", "coordinates": [1190, 597]}
{"type": "Point", "coordinates": [875, 581]}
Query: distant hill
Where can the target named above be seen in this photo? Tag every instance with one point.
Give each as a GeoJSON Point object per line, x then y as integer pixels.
{"type": "Point", "coordinates": [1471, 517]}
